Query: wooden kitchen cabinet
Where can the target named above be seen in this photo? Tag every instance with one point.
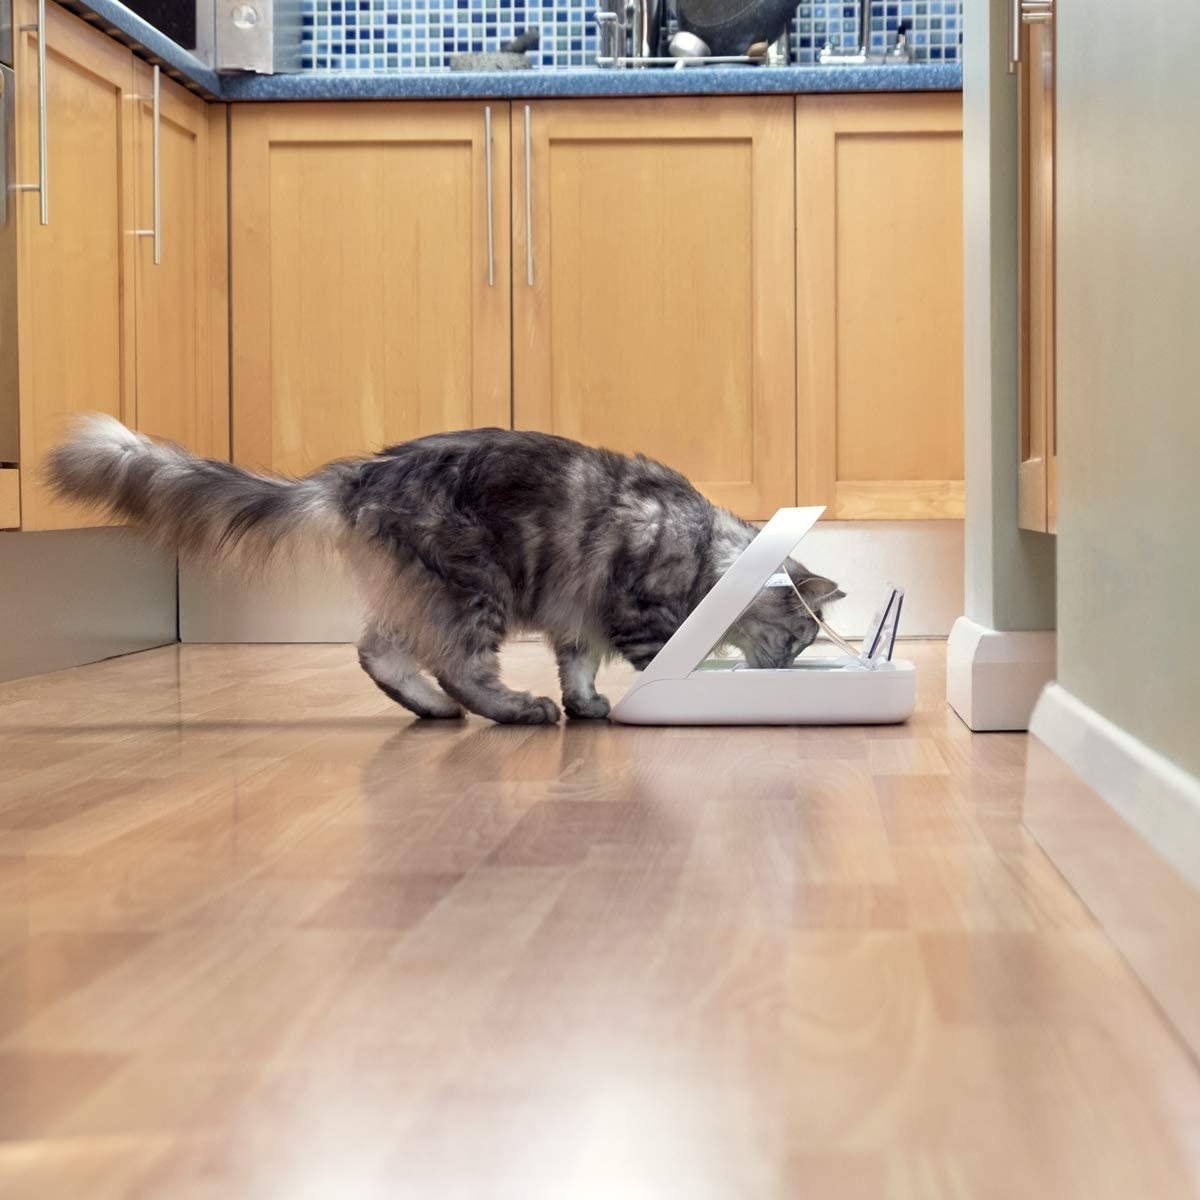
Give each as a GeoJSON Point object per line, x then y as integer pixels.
{"type": "Point", "coordinates": [1037, 479]}
{"type": "Point", "coordinates": [102, 328]}
{"type": "Point", "coordinates": [879, 304]}
{"type": "Point", "coordinates": [182, 362]}
{"type": "Point", "coordinates": [653, 295]}
{"type": "Point", "coordinates": [75, 274]}
{"type": "Point", "coordinates": [369, 303]}
{"type": "Point", "coordinates": [10, 498]}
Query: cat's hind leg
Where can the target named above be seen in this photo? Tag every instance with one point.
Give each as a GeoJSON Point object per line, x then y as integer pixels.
{"type": "Point", "coordinates": [577, 667]}
{"type": "Point", "coordinates": [464, 613]}
{"type": "Point", "coordinates": [397, 674]}
{"type": "Point", "coordinates": [472, 677]}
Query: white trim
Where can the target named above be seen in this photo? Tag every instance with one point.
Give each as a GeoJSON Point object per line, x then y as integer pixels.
{"type": "Point", "coordinates": [305, 599]}
{"type": "Point", "coordinates": [925, 558]}
{"type": "Point", "coordinates": [1156, 796]}
{"type": "Point", "coordinates": [76, 596]}
{"type": "Point", "coordinates": [994, 677]}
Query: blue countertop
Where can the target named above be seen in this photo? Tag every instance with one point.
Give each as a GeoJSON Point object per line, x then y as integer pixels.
{"type": "Point", "coordinates": [117, 20]}
{"type": "Point", "coordinates": [591, 81]}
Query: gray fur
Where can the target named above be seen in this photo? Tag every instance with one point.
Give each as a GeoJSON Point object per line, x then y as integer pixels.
{"type": "Point", "coordinates": [458, 540]}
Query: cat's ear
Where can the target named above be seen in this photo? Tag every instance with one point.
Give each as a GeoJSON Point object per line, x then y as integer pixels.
{"type": "Point", "coordinates": [817, 590]}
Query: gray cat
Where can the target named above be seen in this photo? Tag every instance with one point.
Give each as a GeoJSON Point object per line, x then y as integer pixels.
{"type": "Point", "coordinates": [458, 540]}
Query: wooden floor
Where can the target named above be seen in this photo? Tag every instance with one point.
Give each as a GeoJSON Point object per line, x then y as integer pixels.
{"type": "Point", "coordinates": [262, 935]}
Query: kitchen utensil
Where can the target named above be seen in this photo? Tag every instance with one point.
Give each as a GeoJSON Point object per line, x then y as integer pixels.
{"type": "Point", "coordinates": [688, 45]}
{"type": "Point", "coordinates": [732, 26]}
{"type": "Point", "coordinates": [650, 16]}
{"type": "Point", "coordinates": [511, 56]}
{"type": "Point", "coordinates": [628, 30]}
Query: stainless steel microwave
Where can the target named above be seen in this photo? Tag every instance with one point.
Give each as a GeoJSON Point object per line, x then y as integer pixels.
{"type": "Point", "coordinates": [250, 35]}
{"type": "Point", "coordinates": [6, 32]}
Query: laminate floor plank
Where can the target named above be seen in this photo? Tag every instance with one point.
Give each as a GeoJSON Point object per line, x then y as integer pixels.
{"type": "Point", "coordinates": [264, 935]}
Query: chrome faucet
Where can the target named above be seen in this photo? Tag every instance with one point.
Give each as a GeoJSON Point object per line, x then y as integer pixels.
{"type": "Point", "coordinates": [611, 36]}
{"type": "Point", "coordinates": [901, 51]}
{"type": "Point", "coordinates": [864, 28]}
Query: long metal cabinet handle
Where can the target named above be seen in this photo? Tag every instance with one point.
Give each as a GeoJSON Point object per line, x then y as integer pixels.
{"type": "Point", "coordinates": [6, 102]}
{"type": "Point", "coordinates": [156, 231]}
{"type": "Point", "coordinates": [1030, 12]}
{"type": "Point", "coordinates": [43, 152]}
{"type": "Point", "coordinates": [42, 187]}
{"type": "Point", "coordinates": [157, 167]}
{"type": "Point", "coordinates": [487, 162]}
{"type": "Point", "coordinates": [528, 200]}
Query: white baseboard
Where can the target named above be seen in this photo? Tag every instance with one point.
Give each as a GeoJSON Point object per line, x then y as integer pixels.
{"type": "Point", "coordinates": [1154, 795]}
{"type": "Point", "coordinates": [80, 595]}
{"type": "Point", "coordinates": [310, 599]}
{"type": "Point", "coordinates": [314, 601]}
{"type": "Point", "coordinates": [925, 558]}
{"type": "Point", "coordinates": [993, 677]}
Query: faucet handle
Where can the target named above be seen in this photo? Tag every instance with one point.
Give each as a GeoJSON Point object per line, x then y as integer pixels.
{"type": "Point", "coordinates": [609, 37]}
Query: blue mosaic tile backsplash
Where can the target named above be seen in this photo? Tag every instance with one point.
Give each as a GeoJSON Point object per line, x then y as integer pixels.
{"type": "Point", "coordinates": [394, 35]}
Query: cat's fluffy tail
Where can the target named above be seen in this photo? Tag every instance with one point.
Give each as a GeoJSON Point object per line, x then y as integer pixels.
{"type": "Point", "coordinates": [200, 506]}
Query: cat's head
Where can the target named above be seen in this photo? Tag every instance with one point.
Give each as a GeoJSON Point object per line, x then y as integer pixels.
{"type": "Point", "coordinates": [777, 627]}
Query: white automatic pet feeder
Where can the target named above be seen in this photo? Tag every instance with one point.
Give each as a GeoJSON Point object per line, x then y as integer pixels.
{"type": "Point", "coordinates": [683, 686]}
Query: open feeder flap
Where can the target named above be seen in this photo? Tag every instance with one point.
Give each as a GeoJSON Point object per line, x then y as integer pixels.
{"type": "Point", "coordinates": [783, 532]}
{"type": "Point", "coordinates": [880, 639]}
{"type": "Point", "coordinates": [681, 686]}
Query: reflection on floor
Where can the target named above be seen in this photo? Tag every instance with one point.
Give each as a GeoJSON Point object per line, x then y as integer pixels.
{"type": "Point", "coordinates": [263, 935]}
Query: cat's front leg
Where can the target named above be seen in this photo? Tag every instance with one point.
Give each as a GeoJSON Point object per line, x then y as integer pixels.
{"type": "Point", "coordinates": [577, 667]}
{"type": "Point", "coordinates": [637, 642]}
{"type": "Point", "coordinates": [640, 625]}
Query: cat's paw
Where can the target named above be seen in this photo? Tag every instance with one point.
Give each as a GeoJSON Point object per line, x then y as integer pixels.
{"type": "Point", "coordinates": [540, 710]}
{"type": "Point", "coordinates": [587, 708]}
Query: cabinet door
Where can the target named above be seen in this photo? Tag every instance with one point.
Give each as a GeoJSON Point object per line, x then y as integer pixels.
{"type": "Point", "coordinates": [1038, 474]}
{"type": "Point", "coordinates": [369, 304]}
{"type": "Point", "coordinates": [182, 355]}
{"type": "Point", "coordinates": [75, 304]}
{"type": "Point", "coordinates": [10, 390]}
{"type": "Point", "coordinates": [879, 286]}
{"type": "Point", "coordinates": [653, 293]}
{"type": "Point", "coordinates": [10, 498]}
